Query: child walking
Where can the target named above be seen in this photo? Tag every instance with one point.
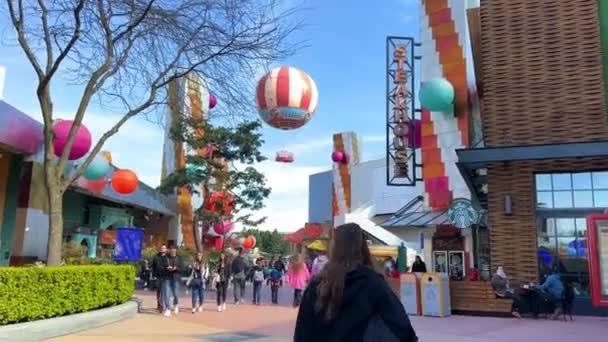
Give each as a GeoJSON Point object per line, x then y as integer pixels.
{"type": "Point", "coordinates": [297, 277]}
{"type": "Point", "coordinates": [275, 280]}
{"type": "Point", "coordinates": [258, 279]}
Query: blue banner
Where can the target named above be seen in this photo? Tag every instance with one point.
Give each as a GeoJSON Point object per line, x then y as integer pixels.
{"type": "Point", "coordinates": [128, 244]}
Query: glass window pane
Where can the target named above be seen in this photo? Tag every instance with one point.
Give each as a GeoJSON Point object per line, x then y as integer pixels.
{"type": "Point", "coordinates": [600, 198]}
{"type": "Point", "coordinates": [581, 181]}
{"type": "Point", "coordinates": [547, 228]}
{"type": "Point", "coordinates": [543, 182]}
{"type": "Point", "coordinates": [573, 265]}
{"type": "Point", "coordinates": [600, 180]}
{"type": "Point", "coordinates": [565, 247]}
{"type": "Point", "coordinates": [546, 245]}
{"type": "Point", "coordinates": [544, 199]}
{"type": "Point", "coordinates": [583, 199]}
{"type": "Point", "coordinates": [565, 227]}
{"type": "Point", "coordinates": [581, 227]}
{"type": "Point", "coordinates": [562, 199]}
{"type": "Point", "coordinates": [562, 181]}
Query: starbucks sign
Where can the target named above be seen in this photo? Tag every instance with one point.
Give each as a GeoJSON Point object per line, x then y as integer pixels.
{"type": "Point", "coordinates": [462, 214]}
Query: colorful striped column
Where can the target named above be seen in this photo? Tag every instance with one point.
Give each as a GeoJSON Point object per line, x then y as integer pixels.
{"type": "Point", "coordinates": [342, 191]}
{"type": "Point", "coordinates": [443, 35]}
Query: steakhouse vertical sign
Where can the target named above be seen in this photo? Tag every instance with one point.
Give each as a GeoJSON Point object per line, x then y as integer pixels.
{"type": "Point", "coordinates": [400, 158]}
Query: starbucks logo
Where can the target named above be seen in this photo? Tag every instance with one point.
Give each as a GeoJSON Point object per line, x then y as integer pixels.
{"type": "Point", "coordinates": [461, 213]}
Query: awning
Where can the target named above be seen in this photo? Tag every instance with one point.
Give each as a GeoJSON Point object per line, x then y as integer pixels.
{"type": "Point", "coordinates": [418, 219]}
{"type": "Point", "coordinates": [310, 231]}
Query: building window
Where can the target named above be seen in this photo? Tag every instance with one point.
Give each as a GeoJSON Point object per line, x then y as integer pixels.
{"type": "Point", "coordinates": [562, 243]}
{"type": "Point", "coordinates": [572, 190]}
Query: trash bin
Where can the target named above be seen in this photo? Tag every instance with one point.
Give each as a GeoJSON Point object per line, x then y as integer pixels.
{"type": "Point", "coordinates": [410, 293]}
{"type": "Point", "coordinates": [435, 294]}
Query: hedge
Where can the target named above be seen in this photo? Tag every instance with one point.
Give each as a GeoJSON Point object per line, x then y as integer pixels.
{"type": "Point", "coordinates": [33, 293]}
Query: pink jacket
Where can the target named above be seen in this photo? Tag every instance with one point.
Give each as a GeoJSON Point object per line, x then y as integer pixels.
{"type": "Point", "coordinates": [298, 280]}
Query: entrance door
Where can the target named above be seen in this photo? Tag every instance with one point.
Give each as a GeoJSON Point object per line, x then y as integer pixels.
{"type": "Point", "coordinates": [562, 244]}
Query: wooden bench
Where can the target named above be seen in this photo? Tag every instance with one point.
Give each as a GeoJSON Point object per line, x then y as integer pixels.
{"type": "Point", "coordinates": [477, 297]}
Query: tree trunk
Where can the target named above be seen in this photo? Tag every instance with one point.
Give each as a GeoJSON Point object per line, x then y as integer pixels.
{"type": "Point", "coordinates": [55, 244]}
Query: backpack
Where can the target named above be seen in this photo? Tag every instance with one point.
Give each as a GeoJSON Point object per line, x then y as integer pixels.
{"type": "Point", "coordinates": [258, 275]}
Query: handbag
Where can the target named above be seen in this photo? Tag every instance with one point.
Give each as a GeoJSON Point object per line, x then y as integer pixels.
{"type": "Point", "coordinates": [377, 330]}
{"type": "Point", "coordinates": [189, 281]}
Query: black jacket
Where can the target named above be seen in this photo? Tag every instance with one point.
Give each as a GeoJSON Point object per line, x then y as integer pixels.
{"type": "Point", "coordinates": [419, 267]}
{"type": "Point", "coordinates": [159, 266]}
{"type": "Point", "coordinates": [238, 265]}
{"type": "Point", "coordinates": [366, 294]}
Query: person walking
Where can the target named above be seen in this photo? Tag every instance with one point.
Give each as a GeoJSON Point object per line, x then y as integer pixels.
{"type": "Point", "coordinates": [349, 300]}
{"type": "Point", "coordinates": [297, 277]}
{"type": "Point", "coordinates": [159, 272]}
{"type": "Point", "coordinates": [198, 276]}
{"type": "Point", "coordinates": [174, 278]}
{"type": "Point", "coordinates": [275, 280]}
{"type": "Point", "coordinates": [222, 276]}
{"type": "Point", "coordinates": [239, 274]}
{"type": "Point", "coordinates": [258, 280]}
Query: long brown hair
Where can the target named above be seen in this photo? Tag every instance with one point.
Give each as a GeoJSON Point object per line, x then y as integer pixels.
{"type": "Point", "coordinates": [348, 252]}
{"type": "Point", "coordinates": [297, 263]}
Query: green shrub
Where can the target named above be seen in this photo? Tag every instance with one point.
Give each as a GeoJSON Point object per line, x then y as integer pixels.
{"type": "Point", "coordinates": [32, 293]}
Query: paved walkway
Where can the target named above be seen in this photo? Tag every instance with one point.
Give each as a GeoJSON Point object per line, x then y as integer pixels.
{"type": "Point", "coordinates": [268, 323]}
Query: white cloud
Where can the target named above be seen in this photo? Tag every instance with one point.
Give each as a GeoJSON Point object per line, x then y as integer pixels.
{"type": "Point", "coordinates": [320, 143]}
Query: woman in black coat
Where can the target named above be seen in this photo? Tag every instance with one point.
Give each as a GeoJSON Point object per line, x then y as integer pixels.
{"type": "Point", "coordinates": [348, 300]}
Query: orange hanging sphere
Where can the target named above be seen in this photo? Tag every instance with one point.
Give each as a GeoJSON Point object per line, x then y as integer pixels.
{"type": "Point", "coordinates": [220, 202]}
{"type": "Point", "coordinates": [249, 242]}
{"type": "Point", "coordinates": [124, 182]}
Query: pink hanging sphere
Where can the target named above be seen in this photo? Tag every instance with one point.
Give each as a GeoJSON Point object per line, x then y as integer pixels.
{"type": "Point", "coordinates": [339, 157]}
{"type": "Point", "coordinates": [82, 141]}
{"type": "Point", "coordinates": [222, 227]}
{"type": "Point", "coordinates": [212, 101]}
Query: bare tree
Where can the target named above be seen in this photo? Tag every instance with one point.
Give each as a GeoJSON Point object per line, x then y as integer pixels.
{"type": "Point", "coordinates": [125, 52]}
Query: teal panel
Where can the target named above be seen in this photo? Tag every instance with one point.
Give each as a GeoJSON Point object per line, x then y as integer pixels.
{"type": "Point", "coordinates": [74, 207]}
{"type": "Point", "coordinates": [10, 210]}
{"type": "Point", "coordinates": [603, 11]}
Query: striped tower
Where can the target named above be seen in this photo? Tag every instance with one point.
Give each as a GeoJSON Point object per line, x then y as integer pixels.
{"type": "Point", "coordinates": [445, 42]}
{"type": "Point", "coordinates": [187, 95]}
{"type": "Point", "coordinates": [342, 191]}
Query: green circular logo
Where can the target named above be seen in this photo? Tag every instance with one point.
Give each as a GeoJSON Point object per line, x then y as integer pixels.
{"type": "Point", "coordinates": [461, 213]}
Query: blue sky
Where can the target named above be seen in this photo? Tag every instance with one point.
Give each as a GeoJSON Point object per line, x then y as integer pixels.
{"type": "Point", "coordinates": [345, 57]}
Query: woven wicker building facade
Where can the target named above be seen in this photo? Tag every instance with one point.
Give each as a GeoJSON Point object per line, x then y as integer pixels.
{"type": "Point", "coordinates": [545, 132]}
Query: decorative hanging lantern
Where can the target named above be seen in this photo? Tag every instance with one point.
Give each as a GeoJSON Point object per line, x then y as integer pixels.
{"type": "Point", "coordinates": [94, 186]}
{"type": "Point", "coordinates": [220, 202]}
{"type": "Point", "coordinates": [339, 157]}
{"type": "Point", "coordinates": [212, 101]}
{"type": "Point", "coordinates": [437, 95]}
{"type": "Point", "coordinates": [222, 228]}
{"type": "Point", "coordinates": [240, 241]}
{"type": "Point", "coordinates": [249, 242]}
{"type": "Point", "coordinates": [107, 155]}
{"type": "Point", "coordinates": [284, 157]}
{"type": "Point", "coordinates": [209, 150]}
{"type": "Point", "coordinates": [286, 98]}
{"type": "Point", "coordinates": [219, 243]}
{"type": "Point", "coordinates": [124, 182]}
{"type": "Point", "coordinates": [234, 241]}
{"type": "Point", "coordinates": [97, 169]}
{"type": "Point", "coordinates": [82, 141]}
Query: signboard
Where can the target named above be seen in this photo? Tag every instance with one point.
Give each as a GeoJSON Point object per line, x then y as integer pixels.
{"type": "Point", "coordinates": [129, 243]}
{"type": "Point", "coordinates": [462, 214]}
{"type": "Point", "coordinates": [401, 140]}
{"type": "Point", "coordinates": [597, 230]}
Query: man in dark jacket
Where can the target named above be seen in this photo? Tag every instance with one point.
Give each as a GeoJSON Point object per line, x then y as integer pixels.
{"type": "Point", "coordinates": [239, 274]}
{"type": "Point", "coordinates": [367, 299]}
{"type": "Point", "coordinates": [159, 264]}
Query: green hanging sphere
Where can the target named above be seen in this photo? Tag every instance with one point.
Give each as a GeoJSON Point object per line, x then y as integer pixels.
{"type": "Point", "coordinates": [437, 95]}
{"type": "Point", "coordinates": [97, 169]}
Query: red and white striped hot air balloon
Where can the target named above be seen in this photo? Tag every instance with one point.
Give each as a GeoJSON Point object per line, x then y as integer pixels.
{"type": "Point", "coordinates": [286, 98]}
